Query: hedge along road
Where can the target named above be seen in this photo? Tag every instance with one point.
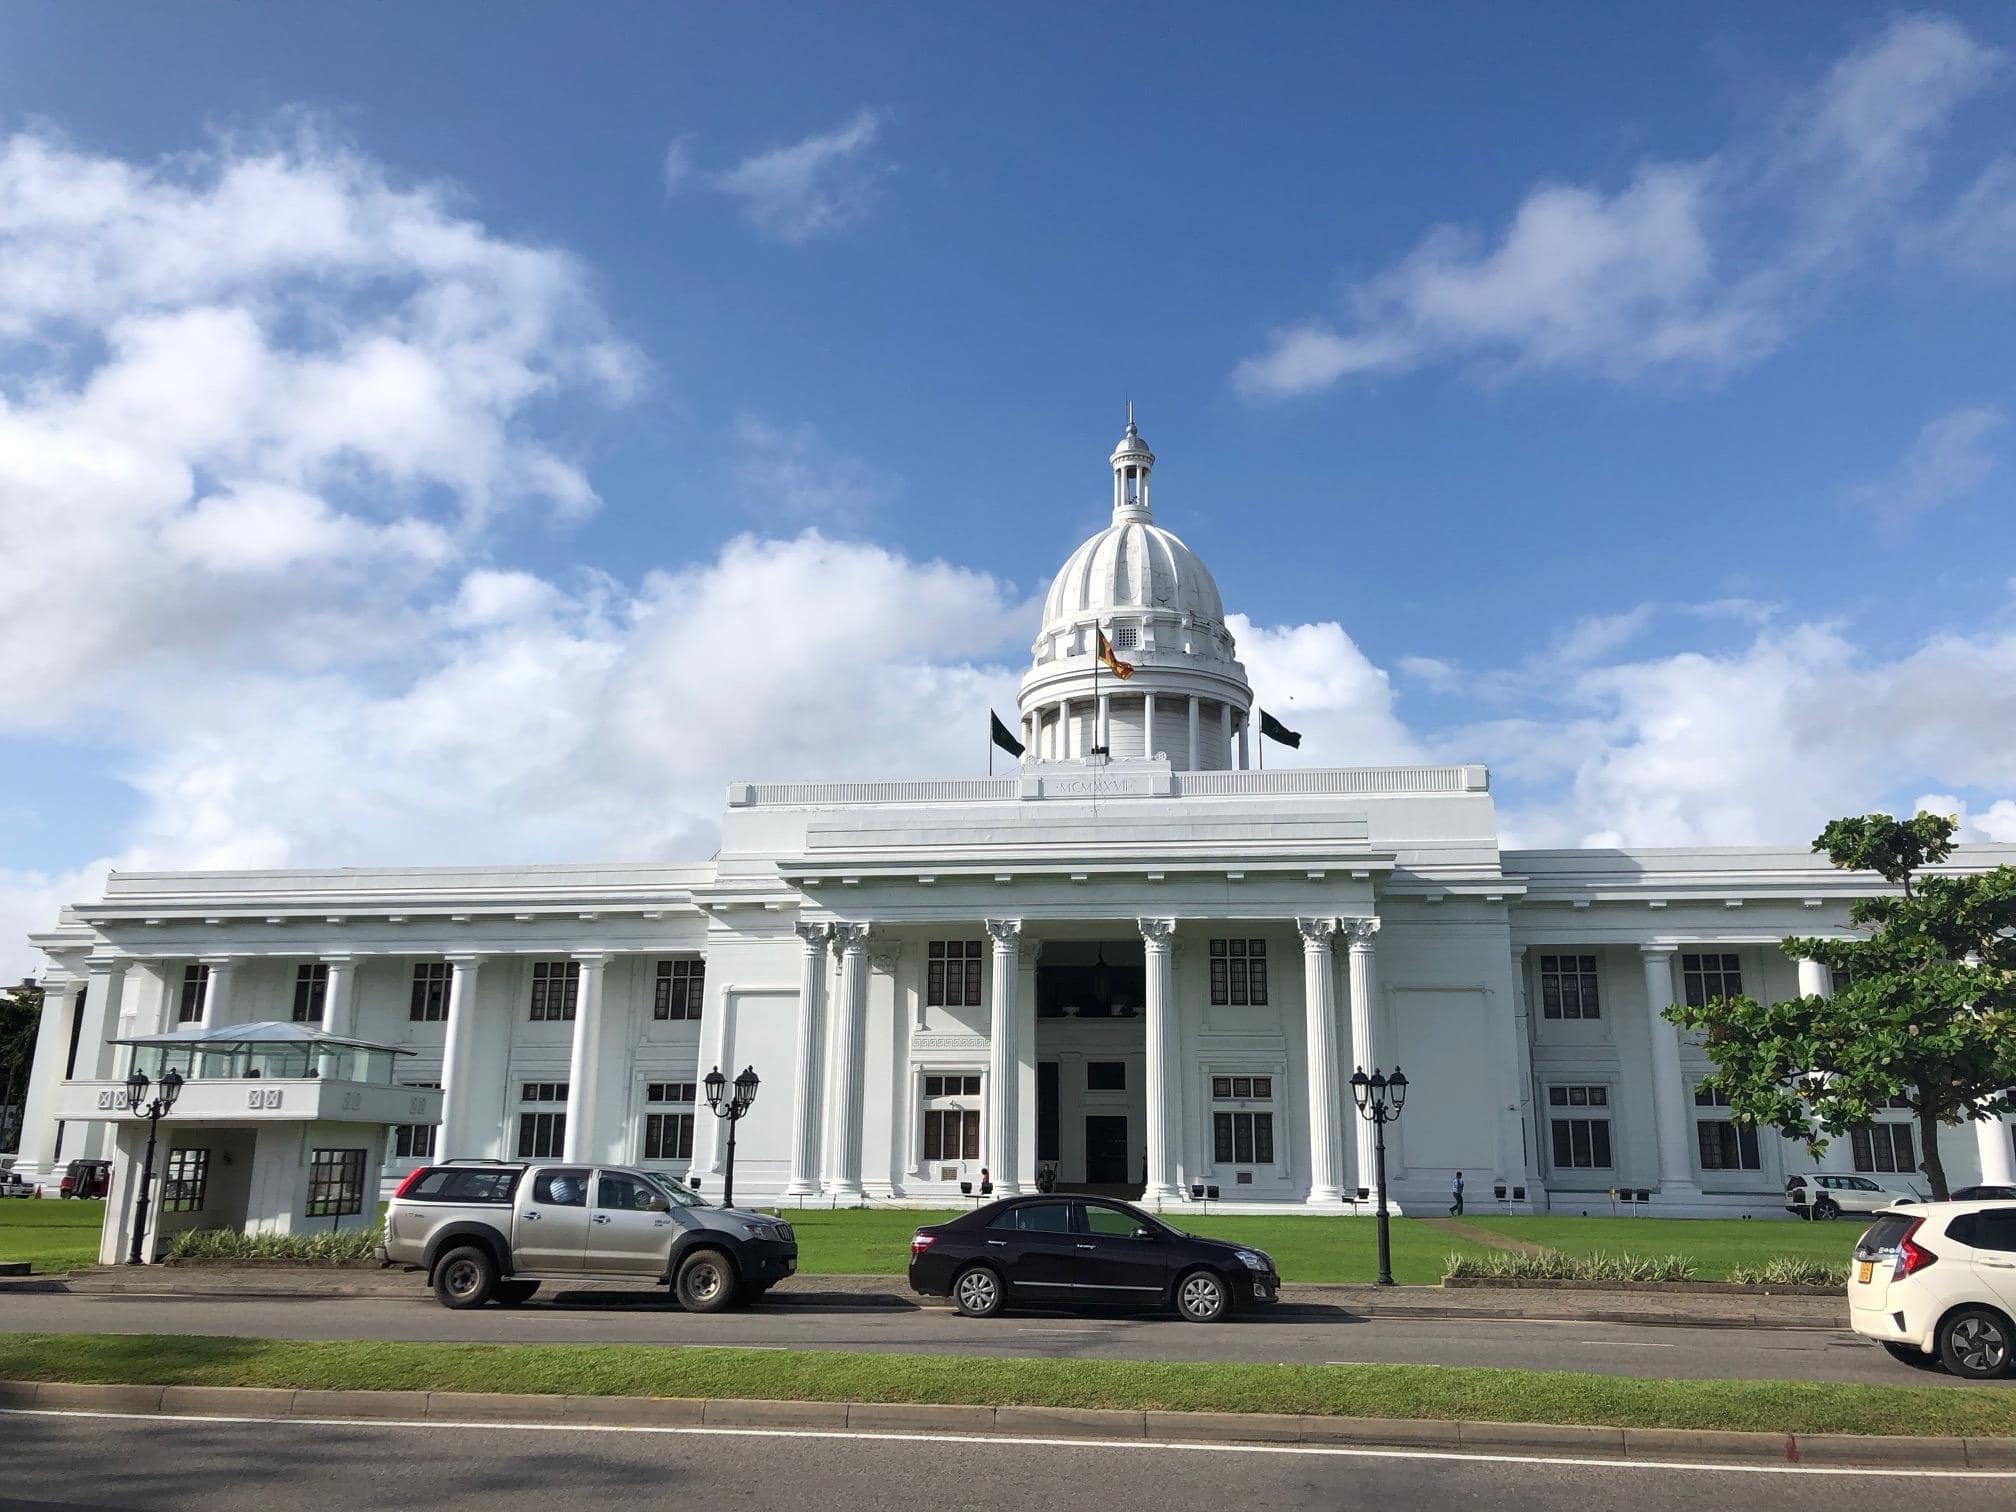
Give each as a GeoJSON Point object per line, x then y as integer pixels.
{"type": "Point", "coordinates": [1313, 1338]}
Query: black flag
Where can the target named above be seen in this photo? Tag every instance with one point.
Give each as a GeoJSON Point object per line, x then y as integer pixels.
{"type": "Point", "coordinates": [1273, 729]}
{"type": "Point", "coordinates": [1002, 738]}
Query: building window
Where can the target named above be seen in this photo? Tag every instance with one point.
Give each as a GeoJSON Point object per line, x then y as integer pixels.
{"type": "Point", "coordinates": [1886, 1147]}
{"type": "Point", "coordinates": [543, 1092]}
{"type": "Point", "coordinates": [1581, 1133]}
{"type": "Point", "coordinates": [1709, 977]}
{"type": "Point", "coordinates": [1568, 987]}
{"type": "Point", "coordinates": [430, 992]}
{"type": "Point", "coordinates": [1105, 1076]}
{"type": "Point", "coordinates": [311, 992]}
{"type": "Point", "coordinates": [1727, 1145]}
{"type": "Point", "coordinates": [541, 1136]}
{"type": "Point", "coordinates": [1125, 637]}
{"type": "Point", "coordinates": [195, 983]}
{"type": "Point", "coordinates": [678, 990]}
{"type": "Point", "coordinates": [1243, 1135]}
{"type": "Point", "coordinates": [951, 1117]}
{"type": "Point", "coordinates": [952, 974]}
{"type": "Point", "coordinates": [555, 986]}
{"type": "Point", "coordinates": [1238, 973]}
{"type": "Point", "coordinates": [669, 1135]}
{"type": "Point", "coordinates": [187, 1182]}
{"type": "Point", "coordinates": [1242, 1138]}
{"type": "Point", "coordinates": [335, 1183]}
{"type": "Point", "coordinates": [414, 1141]}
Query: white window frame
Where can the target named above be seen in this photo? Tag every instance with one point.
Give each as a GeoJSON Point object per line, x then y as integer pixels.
{"type": "Point", "coordinates": [1567, 1111]}
{"type": "Point", "coordinates": [928, 1166]}
{"type": "Point", "coordinates": [1279, 1104]}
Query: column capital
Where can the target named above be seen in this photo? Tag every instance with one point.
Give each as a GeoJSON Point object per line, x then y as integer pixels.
{"type": "Point", "coordinates": [1029, 950]}
{"type": "Point", "coordinates": [337, 958]}
{"type": "Point", "coordinates": [1518, 953]}
{"type": "Point", "coordinates": [851, 938]}
{"type": "Point", "coordinates": [1317, 932]}
{"type": "Point", "coordinates": [1004, 932]}
{"type": "Point", "coordinates": [101, 965]}
{"type": "Point", "coordinates": [883, 954]}
{"type": "Point", "coordinates": [1650, 951]}
{"type": "Point", "coordinates": [1156, 933]}
{"type": "Point", "coordinates": [1360, 932]}
{"type": "Point", "coordinates": [590, 957]}
{"type": "Point", "coordinates": [464, 960]}
{"type": "Point", "coordinates": [818, 938]}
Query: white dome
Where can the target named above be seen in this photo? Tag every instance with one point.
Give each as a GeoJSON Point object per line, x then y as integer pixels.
{"type": "Point", "coordinates": [1132, 564]}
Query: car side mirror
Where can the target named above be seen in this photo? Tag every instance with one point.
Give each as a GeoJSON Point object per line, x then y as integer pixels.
{"type": "Point", "coordinates": [1146, 1233]}
{"type": "Point", "coordinates": [657, 1205]}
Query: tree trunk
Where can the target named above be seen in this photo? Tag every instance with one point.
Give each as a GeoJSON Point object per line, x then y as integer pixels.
{"type": "Point", "coordinates": [1933, 1167]}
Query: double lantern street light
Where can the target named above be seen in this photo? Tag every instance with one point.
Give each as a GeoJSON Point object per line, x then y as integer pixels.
{"type": "Point", "coordinates": [732, 1109]}
{"type": "Point", "coordinates": [1380, 1098]}
{"type": "Point", "coordinates": [166, 1091]}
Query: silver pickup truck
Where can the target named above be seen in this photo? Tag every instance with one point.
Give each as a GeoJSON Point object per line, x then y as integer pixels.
{"type": "Point", "coordinates": [489, 1231]}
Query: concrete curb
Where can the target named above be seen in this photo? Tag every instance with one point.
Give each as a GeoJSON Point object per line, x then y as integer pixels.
{"type": "Point", "coordinates": [1813, 1450]}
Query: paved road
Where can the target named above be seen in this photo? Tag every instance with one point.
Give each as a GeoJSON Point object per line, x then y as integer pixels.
{"type": "Point", "coordinates": [71, 1462]}
{"type": "Point", "coordinates": [648, 1318]}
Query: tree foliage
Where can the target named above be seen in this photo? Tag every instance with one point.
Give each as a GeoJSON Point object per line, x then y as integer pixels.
{"type": "Point", "coordinates": [1923, 1009]}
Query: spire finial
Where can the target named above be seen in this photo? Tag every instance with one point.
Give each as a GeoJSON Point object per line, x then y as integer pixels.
{"type": "Point", "coordinates": [1130, 415]}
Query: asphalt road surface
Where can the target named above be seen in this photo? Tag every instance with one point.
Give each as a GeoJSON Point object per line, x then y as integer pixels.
{"type": "Point", "coordinates": [642, 1317]}
{"type": "Point", "coordinates": [69, 1462]}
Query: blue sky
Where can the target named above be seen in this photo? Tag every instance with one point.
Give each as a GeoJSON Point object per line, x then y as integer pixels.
{"type": "Point", "coordinates": [1616, 395]}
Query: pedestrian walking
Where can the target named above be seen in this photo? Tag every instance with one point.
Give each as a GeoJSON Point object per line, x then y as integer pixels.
{"type": "Point", "coordinates": [1456, 1196]}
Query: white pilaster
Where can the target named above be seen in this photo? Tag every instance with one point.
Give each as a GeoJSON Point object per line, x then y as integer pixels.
{"type": "Point", "coordinates": [1103, 737]}
{"type": "Point", "coordinates": [1319, 1008]}
{"type": "Point", "coordinates": [458, 1090]}
{"type": "Point", "coordinates": [1193, 734]}
{"type": "Point", "coordinates": [1364, 1039]}
{"type": "Point", "coordinates": [1004, 1061]}
{"type": "Point", "coordinates": [1164, 1088]}
{"type": "Point", "coordinates": [45, 1075]}
{"type": "Point", "coordinates": [1671, 1097]}
{"type": "Point", "coordinates": [816, 940]}
{"type": "Point", "coordinates": [1995, 1142]}
{"type": "Point", "coordinates": [582, 1101]}
{"type": "Point", "coordinates": [1527, 1098]}
{"type": "Point", "coordinates": [217, 991]}
{"type": "Point", "coordinates": [849, 1026]}
{"type": "Point", "coordinates": [1147, 724]}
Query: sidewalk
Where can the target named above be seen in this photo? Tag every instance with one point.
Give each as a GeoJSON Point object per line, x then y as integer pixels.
{"type": "Point", "coordinates": [1719, 1309]}
{"type": "Point", "coordinates": [687, 1414]}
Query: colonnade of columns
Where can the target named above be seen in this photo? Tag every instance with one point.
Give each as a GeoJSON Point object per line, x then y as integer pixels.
{"type": "Point", "coordinates": [1051, 735]}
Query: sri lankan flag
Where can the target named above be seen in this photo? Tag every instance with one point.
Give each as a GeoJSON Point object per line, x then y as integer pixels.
{"type": "Point", "coordinates": [1114, 665]}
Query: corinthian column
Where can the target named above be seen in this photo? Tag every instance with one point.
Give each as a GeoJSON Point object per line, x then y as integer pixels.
{"type": "Point", "coordinates": [1364, 1040]}
{"type": "Point", "coordinates": [585, 1061]}
{"type": "Point", "coordinates": [1164, 1089]}
{"type": "Point", "coordinates": [1670, 1094]}
{"type": "Point", "coordinates": [1319, 1009]}
{"type": "Point", "coordinates": [843, 1135]}
{"type": "Point", "coordinates": [804, 1180]}
{"type": "Point", "coordinates": [52, 1043]}
{"type": "Point", "coordinates": [457, 1054]}
{"type": "Point", "coordinates": [1004, 1063]}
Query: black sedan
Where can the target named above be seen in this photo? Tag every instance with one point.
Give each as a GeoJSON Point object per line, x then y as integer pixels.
{"type": "Point", "coordinates": [1083, 1251]}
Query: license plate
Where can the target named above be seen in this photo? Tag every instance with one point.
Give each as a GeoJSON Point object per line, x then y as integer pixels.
{"type": "Point", "coordinates": [1865, 1271]}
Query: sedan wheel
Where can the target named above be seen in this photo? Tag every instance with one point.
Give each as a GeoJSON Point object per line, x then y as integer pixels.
{"type": "Point", "coordinates": [1200, 1297]}
{"type": "Point", "coordinates": [977, 1292]}
{"type": "Point", "coordinates": [1975, 1344]}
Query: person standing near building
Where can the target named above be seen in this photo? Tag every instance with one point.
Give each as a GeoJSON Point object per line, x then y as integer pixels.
{"type": "Point", "coordinates": [1456, 1196]}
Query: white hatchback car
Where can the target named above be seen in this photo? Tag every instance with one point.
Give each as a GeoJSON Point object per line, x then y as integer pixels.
{"type": "Point", "coordinates": [1935, 1284]}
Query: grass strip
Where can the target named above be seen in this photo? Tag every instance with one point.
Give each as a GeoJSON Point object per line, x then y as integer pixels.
{"type": "Point", "coordinates": [1402, 1391]}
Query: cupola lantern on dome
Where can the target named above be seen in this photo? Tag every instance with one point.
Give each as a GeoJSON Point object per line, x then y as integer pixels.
{"type": "Point", "coordinates": [1132, 462]}
{"type": "Point", "coordinates": [1136, 582]}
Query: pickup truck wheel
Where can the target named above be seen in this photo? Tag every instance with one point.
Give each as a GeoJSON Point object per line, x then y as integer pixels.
{"type": "Point", "coordinates": [515, 1293]}
{"type": "Point", "coordinates": [465, 1277]}
{"type": "Point", "coordinates": [706, 1282]}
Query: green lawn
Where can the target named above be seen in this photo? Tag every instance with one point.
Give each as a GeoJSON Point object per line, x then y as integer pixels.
{"type": "Point", "coordinates": [1405, 1391]}
{"type": "Point", "coordinates": [51, 1235]}
{"type": "Point", "coordinates": [876, 1242]}
{"type": "Point", "coordinates": [1715, 1244]}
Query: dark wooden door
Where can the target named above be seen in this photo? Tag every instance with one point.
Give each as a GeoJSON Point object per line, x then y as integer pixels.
{"type": "Point", "coordinates": [1105, 1149]}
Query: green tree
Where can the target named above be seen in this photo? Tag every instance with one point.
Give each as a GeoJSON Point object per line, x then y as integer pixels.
{"type": "Point", "coordinates": [1924, 1004]}
{"type": "Point", "coordinates": [20, 1016]}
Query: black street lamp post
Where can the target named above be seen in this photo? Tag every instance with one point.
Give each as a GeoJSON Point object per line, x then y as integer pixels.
{"type": "Point", "coordinates": [732, 1109]}
{"type": "Point", "coordinates": [165, 1094]}
{"type": "Point", "coordinates": [1380, 1098]}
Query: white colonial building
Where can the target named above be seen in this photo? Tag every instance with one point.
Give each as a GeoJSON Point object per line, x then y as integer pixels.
{"type": "Point", "coordinates": [1135, 962]}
